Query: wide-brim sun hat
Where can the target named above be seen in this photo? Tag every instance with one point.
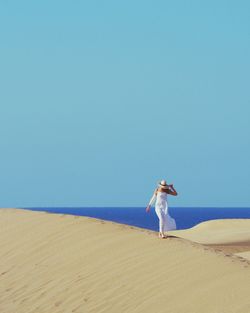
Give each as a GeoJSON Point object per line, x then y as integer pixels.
{"type": "Point", "coordinates": [163, 184]}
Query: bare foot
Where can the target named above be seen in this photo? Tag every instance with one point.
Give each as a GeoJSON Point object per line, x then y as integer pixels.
{"type": "Point", "coordinates": [162, 235]}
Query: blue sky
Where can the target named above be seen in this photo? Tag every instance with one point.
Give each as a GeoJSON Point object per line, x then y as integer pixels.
{"type": "Point", "coordinates": [101, 99]}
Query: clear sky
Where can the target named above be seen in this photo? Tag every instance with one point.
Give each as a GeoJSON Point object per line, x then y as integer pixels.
{"type": "Point", "coordinates": [100, 100]}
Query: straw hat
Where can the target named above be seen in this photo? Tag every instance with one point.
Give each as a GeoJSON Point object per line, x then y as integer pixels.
{"type": "Point", "coordinates": [163, 184]}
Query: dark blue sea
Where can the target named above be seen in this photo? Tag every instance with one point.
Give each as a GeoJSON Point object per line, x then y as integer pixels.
{"type": "Point", "coordinates": [185, 217]}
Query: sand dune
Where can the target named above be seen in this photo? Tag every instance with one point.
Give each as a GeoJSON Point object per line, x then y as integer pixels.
{"type": "Point", "coordinates": [223, 231]}
{"type": "Point", "coordinates": [60, 263]}
{"type": "Point", "coordinates": [228, 235]}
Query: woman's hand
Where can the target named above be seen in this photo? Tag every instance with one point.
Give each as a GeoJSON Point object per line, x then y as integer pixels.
{"type": "Point", "coordinates": [147, 208]}
{"type": "Point", "coordinates": [171, 187]}
{"type": "Point", "coordinates": [173, 192]}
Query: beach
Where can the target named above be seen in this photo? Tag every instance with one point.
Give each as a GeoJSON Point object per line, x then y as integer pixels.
{"type": "Point", "coordinates": [62, 263]}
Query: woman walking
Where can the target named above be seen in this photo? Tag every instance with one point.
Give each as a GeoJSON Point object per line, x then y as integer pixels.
{"type": "Point", "coordinates": [166, 222]}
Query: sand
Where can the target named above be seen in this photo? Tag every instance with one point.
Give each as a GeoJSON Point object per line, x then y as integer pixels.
{"type": "Point", "coordinates": [58, 263]}
{"type": "Point", "coordinates": [228, 235]}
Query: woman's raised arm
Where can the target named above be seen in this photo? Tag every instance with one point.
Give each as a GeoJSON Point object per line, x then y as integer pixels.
{"type": "Point", "coordinates": [151, 201]}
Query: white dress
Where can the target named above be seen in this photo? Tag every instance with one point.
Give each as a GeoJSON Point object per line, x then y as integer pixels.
{"type": "Point", "coordinates": [166, 222]}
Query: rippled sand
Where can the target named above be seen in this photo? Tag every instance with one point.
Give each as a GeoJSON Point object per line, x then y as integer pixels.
{"type": "Point", "coordinates": [56, 263]}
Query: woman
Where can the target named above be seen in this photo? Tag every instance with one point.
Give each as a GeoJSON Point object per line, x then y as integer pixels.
{"type": "Point", "coordinates": [166, 222]}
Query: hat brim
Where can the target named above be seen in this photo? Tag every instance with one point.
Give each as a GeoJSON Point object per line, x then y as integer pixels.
{"type": "Point", "coordinates": [163, 186]}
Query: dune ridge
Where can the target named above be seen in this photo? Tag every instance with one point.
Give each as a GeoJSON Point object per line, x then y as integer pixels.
{"type": "Point", "coordinates": [60, 263]}
{"type": "Point", "coordinates": [228, 235]}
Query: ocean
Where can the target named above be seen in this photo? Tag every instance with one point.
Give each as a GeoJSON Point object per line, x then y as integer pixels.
{"type": "Point", "coordinates": [185, 217]}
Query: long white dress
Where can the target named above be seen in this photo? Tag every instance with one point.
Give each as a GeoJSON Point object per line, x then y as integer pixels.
{"type": "Point", "coordinates": [166, 222]}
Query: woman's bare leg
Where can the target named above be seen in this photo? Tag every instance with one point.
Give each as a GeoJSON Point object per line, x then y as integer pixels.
{"type": "Point", "coordinates": [164, 225]}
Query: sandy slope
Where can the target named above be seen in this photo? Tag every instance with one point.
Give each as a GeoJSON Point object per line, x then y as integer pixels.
{"type": "Point", "coordinates": [224, 231]}
{"type": "Point", "coordinates": [228, 235]}
{"type": "Point", "coordinates": [60, 263]}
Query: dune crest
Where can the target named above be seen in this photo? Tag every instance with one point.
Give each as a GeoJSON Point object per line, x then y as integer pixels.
{"type": "Point", "coordinates": [226, 235]}
{"type": "Point", "coordinates": [60, 263]}
{"type": "Point", "coordinates": [222, 231]}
